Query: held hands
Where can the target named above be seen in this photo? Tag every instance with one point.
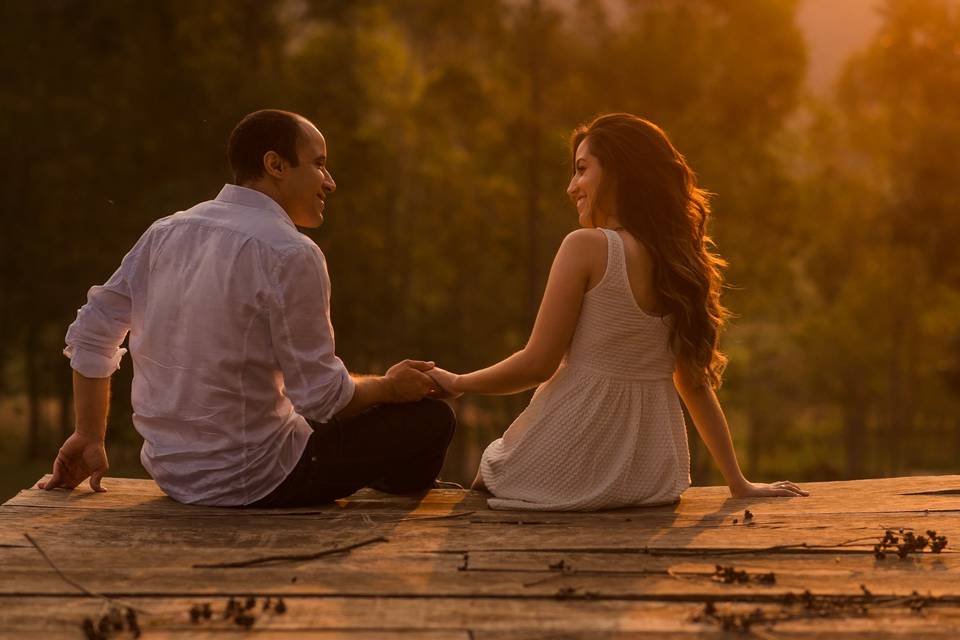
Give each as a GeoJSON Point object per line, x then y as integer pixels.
{"type": "Point", "coordinates": [446, 384]}
{"type": "Point", "coordinates": [79, 458]}
{"type": "Point", "coordinates": [783, 488]}
{"type": "Point", "coordinates": [408, 382]}
{"type": "Point", "coordinates": [412, 380]}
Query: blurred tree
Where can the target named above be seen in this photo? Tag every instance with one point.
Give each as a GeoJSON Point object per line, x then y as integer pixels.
{"type": "Point", "coordinates": [111, 134]}
{"type": "Point", "coordinates": [883, 306]}
{"type": "Point", "coordinates": [448, 128]}
{"type": "Point", "coordinates": [447, 124]}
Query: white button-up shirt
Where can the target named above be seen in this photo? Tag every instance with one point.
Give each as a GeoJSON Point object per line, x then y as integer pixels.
{"type": "Point", "coordinates": [228, 309]}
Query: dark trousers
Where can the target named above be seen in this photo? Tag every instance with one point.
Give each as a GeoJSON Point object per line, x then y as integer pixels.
{"type": "Point", "coordinates": [396, 448]}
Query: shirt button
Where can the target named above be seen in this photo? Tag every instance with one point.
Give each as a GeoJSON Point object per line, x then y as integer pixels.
{"type": "Point", "coordinates": [313, 458]}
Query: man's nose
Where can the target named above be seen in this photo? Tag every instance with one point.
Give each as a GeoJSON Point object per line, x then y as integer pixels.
{"type": "Point", "coordinates": [329, 185]}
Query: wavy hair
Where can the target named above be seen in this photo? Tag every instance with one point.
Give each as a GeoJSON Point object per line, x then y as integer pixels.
{"type": "Point", "coordinates": [659, 203]}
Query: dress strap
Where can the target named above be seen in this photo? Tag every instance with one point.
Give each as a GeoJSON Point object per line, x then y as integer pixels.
{"type": "Point", "coordinates": [616, 259]}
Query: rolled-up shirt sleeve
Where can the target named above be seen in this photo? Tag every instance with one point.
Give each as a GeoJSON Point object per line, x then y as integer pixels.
{"type": "Point", "coordinates": [94, 338]}
{"type": "Point", "coordinates": [316, 380]}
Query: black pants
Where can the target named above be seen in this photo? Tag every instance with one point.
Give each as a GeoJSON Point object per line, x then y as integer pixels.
{"type": "Point", "coordinates": [397, 448]}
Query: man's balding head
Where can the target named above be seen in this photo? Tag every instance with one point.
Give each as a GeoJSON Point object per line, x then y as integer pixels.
{"type": "Point", "coordinates": [258, 133]}
{"type": "Point", "coordinates": [284, 156]}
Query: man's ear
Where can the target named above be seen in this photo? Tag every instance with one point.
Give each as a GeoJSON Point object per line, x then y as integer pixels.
{"type": "Point", "coordinates": [273, 164]}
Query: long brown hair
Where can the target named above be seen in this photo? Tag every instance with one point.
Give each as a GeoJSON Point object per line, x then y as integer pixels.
{"type": "Point", "coordinates": [659, 203]}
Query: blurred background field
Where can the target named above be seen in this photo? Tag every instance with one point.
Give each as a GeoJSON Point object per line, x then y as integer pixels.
{"type": "Point", "coordinates": [829, 132]}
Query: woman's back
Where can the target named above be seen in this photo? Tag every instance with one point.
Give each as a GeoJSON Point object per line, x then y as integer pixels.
{"type": "Point", "coordinates": [614, 333]}
{"type": "Point", "coordinates": [607, 429]}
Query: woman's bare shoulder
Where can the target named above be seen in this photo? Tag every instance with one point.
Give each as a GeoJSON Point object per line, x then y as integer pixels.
{"type": "Point", "coordinates": [587, 248]}
{"type": "Point", "coordinates": [585, 240]}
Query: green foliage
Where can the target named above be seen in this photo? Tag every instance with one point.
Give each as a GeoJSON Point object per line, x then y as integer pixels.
{"type": "Point", "coordinates": [448, 127]}
{"type": "Point", "coordinates": [881, 279]}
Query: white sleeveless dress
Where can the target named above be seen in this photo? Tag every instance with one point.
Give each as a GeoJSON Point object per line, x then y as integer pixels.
{"type": "Point", "coordinates": [607, 429]}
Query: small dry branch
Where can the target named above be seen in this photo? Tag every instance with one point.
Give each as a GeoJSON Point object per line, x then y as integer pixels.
{"type": "Point", "coordinates": [300, 557]}
{"type": "Point", "coordinates": [74, 583]}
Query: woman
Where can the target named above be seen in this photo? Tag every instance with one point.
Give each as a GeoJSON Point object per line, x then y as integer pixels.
{"type": "Point", "coordinates": [631, 316]}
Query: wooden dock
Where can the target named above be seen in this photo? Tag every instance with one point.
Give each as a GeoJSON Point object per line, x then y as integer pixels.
{"type": "Point", "coordinates": [442, 566]}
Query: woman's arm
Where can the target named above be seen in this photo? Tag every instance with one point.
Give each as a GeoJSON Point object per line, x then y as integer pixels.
{"type": "Point", "coordinates": [552, 331]}
{"type": "Point", "coordinates": [704, 408]}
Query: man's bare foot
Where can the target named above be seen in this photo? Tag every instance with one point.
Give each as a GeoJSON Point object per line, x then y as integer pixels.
{"type": "Point", "coordinates": [446, 484]}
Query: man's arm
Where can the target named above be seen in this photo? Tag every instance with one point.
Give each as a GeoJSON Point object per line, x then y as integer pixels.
{"type": "Point", "coordinates": [404, 382]}
{"type": "Point", "coordinates": [315, 380]}
{"type": "Point", "coordinates": [83, 455]}
{"type": "Point", "coordinates": [93, 346]}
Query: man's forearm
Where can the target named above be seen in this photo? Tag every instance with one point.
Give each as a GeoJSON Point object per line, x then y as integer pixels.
{"type": "Point", "coordinates": [367, 392]}
{"type": "Point", "coordinates": [91, 403]}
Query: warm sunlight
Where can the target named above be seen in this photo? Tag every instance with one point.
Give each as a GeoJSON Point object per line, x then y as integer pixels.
{"type": "Point", "coordinates": [494, 319]}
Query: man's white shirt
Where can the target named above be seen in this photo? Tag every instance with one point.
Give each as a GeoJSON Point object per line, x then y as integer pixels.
{"type": "Point", "coordinates": [228, 310]}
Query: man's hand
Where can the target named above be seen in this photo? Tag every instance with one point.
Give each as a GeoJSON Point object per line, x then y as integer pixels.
{"type": "Point", "coordinates": [408, 381]}
{"type": "Point", "coordinates": [80, 457]}
{"type": "Point", "coordinates": [446, 383]}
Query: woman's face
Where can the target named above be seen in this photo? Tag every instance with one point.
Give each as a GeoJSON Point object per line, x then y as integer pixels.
{"type": "Point", "coordinates": [584, 187]}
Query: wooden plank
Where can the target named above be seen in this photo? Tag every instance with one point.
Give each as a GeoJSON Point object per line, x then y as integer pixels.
{"type": "Point", "coordinates": [545, 616]}
{"type": "Point", "coordinates": [778, 632]}
{"type": "Point", "coordinates": [413, 584]}
{"type": "Point", "coordinates": [401, 561]}
{"type": "Point", "coordinates": [690, 581]}
{"type": "Point", "coordinates": [390, 559]}
{"type": "Point", "coordinates": [231, 634]}
{"type": "Point", "coordinates": [454, 535]}
{"type": "Point", "coordinates": [528, 634]}
{"type": "Point", "coordinates": [372, 571]}
{"type": "Point", "coordinates": [627, 635]}
{"type": "Point", "coordinates": [676, 581]}
{"type": "Point", "coordinates": [129, 493]}
{"type": "Point", "coordinates": [268, 520]}
{"type": "Point", "coordinates": [857, 496]}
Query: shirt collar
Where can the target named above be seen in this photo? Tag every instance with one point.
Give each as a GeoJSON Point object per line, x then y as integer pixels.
{"type": "Point", "coordinates": [247, 197]}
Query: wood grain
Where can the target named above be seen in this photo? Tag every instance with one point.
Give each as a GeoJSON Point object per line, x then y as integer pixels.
{"type": "Point", "coordinates": [453, 569]}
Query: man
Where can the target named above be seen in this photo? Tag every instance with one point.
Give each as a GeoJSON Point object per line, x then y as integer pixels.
{"type": "Point", "coordinates": [237, 391]}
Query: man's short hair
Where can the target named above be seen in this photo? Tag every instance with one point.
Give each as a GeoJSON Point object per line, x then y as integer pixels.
{"type": "Point", "coordinates": [260, 132]}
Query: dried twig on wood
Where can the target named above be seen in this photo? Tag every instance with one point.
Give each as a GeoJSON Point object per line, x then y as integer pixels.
{"type": "Point", "coordinates": [698, 551]}
{"type": "Point", "coordinates": [552, 576]}
{"type": "Point", "coordinates": [446, 516]}
{"type": "Point", "coordinates": [77, 585]}
{"type": "Point", "coordinates": [778, 547]}
{"type": "Point", "coordinates": [289, 558]}
{"type": "Point", "coordinates": [443, 517]}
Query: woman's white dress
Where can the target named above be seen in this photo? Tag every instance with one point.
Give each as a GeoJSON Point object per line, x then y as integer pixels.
{"type": "Point", "coordinates": [607, 429]}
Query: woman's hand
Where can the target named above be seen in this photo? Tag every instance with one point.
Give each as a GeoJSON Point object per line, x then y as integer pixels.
{"type": "Point", "coordinates": [446, 384]}
{"type": "Point", "coordinates": [781, 489]}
